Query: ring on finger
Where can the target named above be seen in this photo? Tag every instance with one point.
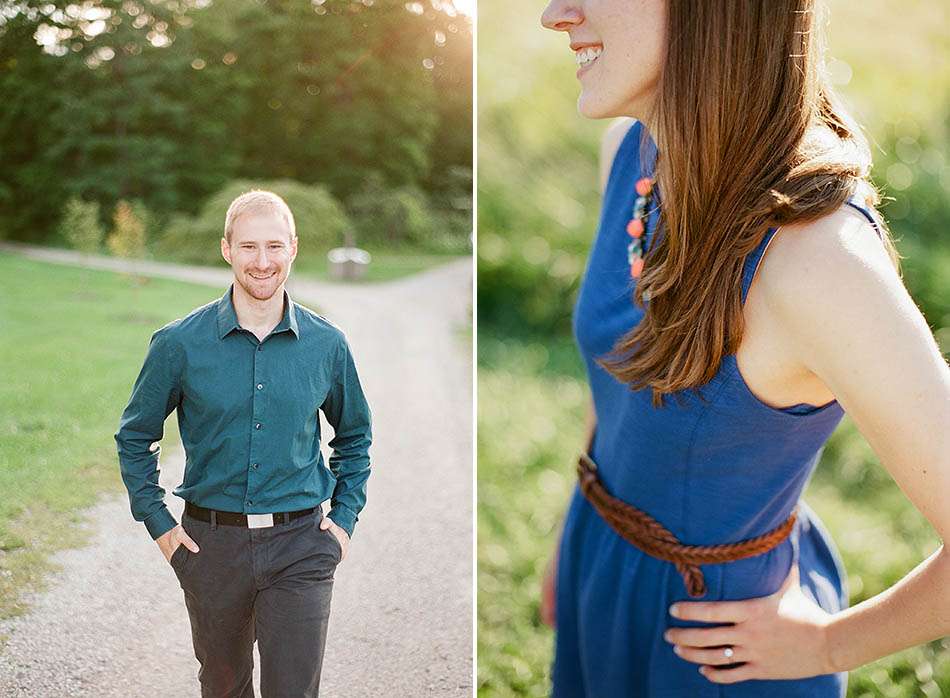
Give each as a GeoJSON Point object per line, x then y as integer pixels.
{"type": "Point", "coordinates": [708, 655]}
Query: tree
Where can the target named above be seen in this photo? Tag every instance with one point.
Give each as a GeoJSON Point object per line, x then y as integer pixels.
{"type": "Point", "coordinates": [168, 100]}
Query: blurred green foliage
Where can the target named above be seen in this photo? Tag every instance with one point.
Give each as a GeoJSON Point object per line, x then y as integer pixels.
{"type": "Point", "coordinates": [524, 477]}
{"type": "Point", "coordinates": [128, 231]}
{"type": "Point", "coordinates": [539, 201]}
{"type": "Point", "coordinates": [391, 215]}
{"type": "Point", "coordinates": [80, 225]}
{"type": "Point", "coordinates": [166, 101]}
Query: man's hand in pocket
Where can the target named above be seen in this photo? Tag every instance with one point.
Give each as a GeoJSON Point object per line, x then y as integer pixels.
{"type": "Point", "coordinates": [340, 534]}
{"type": "Point", "coordinates": [169, 541]}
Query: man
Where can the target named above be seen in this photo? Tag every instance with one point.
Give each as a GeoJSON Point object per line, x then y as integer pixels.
{"type": "Point", "coordinates": [247, 375]}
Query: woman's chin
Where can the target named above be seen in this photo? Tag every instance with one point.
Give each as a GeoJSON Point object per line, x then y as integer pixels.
{"type": "Point", "coordinates": [590, 107]}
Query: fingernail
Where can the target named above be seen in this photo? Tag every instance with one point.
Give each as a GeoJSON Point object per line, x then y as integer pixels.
{"type": "Point", "coordinates": [676, 649]}
{"type": "Point", "coordinates": [666, 636]}
{"type": "Point", "coordinates": [675, 611]}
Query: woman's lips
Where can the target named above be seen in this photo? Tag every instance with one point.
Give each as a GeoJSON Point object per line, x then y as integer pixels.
{"type": "Point", "coordinates": [587, 56]}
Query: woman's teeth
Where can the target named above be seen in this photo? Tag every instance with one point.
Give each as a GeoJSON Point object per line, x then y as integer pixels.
{"type": "Point", "coordinates": [588, 55]}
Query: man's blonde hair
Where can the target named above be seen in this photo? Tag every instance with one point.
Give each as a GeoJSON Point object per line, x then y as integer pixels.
{"type": "Point", "coordinates": [254, 201]}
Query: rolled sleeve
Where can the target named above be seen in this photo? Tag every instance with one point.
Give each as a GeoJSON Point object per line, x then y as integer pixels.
{"type": "Point", "coordinates": [155, 394]}
{"type": "Point", "coordinates": [348, 413]}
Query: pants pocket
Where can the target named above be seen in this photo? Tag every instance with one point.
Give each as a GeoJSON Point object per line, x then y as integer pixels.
{"type": "Point", "coordinates": [334, 541]}
{"type": "Point", "coordinates": [177, 559]}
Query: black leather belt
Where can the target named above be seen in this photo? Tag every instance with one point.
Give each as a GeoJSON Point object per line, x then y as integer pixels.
{"type": "Point", "coordinates": [233, 518]}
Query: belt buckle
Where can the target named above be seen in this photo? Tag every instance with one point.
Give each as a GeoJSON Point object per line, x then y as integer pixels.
{"type": "Point", "coordinates": [260, 520]}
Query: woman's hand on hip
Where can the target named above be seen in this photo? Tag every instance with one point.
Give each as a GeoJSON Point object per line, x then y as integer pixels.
{"type": "Point", "coordinates": [780, 636]}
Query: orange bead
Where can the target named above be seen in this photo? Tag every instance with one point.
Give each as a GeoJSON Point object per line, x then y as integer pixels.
{"type": "Point", "coordinates": [644, 186]}
{"type": "Point", "coordinates": [636, 268]}
{"type": "Point", "coordinates": [635, 227]}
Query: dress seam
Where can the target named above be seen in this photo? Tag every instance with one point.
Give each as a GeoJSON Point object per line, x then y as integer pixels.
{"type": "Point", "coordinates": [689, 455]}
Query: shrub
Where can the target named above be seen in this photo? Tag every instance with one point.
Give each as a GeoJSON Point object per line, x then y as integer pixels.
{"type": "Point", "coordinates": [80, 227]}
{"type": "Point", "coordinates": [128, 233]}
{"type": "Point", "coordinates": [393, 215]}
{"type": "Point", "coordinates": [452, 232]}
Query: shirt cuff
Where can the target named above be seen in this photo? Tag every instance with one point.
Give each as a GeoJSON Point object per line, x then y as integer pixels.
{"type": "Point", "coordinates": [160, 523]}
{"type": "Point", "coordinates": [344, 518]}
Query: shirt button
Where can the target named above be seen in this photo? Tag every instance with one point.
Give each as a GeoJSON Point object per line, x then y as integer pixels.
{"type": "Point", "coordinates": [260, 347]}
{"type": "Point", "coordinates": [255, 465]}
{"type": "Point", "coordinates": [249, 502]}
{"type": "Point", "coordinates": [260, 386]}
{"type": "Point", "coordinates": [257, 426]}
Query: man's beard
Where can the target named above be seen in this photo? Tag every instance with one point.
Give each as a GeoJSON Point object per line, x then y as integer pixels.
{"type": "Point", "coordinates": [256, 291]}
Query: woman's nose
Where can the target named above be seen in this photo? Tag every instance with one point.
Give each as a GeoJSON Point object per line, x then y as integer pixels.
{"type": "Point", "coordinates": [561, 15]}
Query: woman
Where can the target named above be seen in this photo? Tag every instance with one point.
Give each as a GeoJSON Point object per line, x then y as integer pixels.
{"type": "Point", "coordinates": [712, 397]}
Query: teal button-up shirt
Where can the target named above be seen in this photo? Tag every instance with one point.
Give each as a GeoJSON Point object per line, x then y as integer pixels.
{"type": "Point", "coordinates": [248, 417]}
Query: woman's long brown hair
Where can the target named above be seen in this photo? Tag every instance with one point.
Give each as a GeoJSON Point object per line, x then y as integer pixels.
{"type": "Point", "coordinates": [750, 136]}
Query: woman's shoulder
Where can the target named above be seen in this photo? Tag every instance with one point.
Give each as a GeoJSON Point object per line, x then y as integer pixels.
{"type": "Point", "coordinates": [822, 249]}
{"type": "Point", "coordinates": [610, 143]}
{"type": "Point", "coordinates": [819, 273]}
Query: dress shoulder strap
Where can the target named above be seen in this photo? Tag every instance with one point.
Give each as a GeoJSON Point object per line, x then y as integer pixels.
{"type": "Point", "coordinates": [754, 258]}
{"type": "Point", "coordinates": [855, 201]}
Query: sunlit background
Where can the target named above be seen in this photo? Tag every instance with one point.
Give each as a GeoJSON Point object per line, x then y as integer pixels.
{"type": "Point", "coordinates": [358, 112]}
{"type": "Point", "coordinates": [126, 129]}
{"type": "Point", "coordinates": [538, 205]}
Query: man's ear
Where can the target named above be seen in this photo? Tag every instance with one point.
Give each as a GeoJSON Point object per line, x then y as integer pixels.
{"type": "Point", "coordinates": [225, 250]}
{"type": "Point", "coordinates": [293, 248]}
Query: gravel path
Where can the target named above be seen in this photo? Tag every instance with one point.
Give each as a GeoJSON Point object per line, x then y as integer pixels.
{"type": "Point", "coordinates": [113, 623]}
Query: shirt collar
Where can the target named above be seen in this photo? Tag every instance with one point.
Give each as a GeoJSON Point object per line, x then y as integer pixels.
{"type": "Point", "coordinates": [227, 316]}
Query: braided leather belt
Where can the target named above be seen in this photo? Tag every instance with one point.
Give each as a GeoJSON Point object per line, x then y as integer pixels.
{"type": "Point", "coordinates": [649, 535]}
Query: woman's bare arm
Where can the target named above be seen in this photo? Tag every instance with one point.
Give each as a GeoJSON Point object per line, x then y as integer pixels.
{"type": "Point", "coordinates": [843, 311]}
{"type": "Point", "coordinates": [855, 326]}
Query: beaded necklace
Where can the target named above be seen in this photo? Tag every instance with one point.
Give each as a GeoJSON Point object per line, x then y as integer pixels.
{"type": "Point", "coordinates": [637, 228]}
{"type": "Point", "coordinates": [637, 225]}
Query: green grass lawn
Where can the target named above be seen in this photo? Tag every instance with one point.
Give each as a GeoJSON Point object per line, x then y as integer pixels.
{"type": "Point", "coordinates": [526, 451]}
{"type": "Point", "coordinates": [73, 343]}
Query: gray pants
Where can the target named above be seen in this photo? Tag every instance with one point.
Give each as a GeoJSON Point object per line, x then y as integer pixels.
{"type": "Point", "coordinates": [268, 584]}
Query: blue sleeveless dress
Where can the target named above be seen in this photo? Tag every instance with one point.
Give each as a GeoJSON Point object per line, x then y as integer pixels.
{"type": "Point", "coordinates": [719, 472]}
